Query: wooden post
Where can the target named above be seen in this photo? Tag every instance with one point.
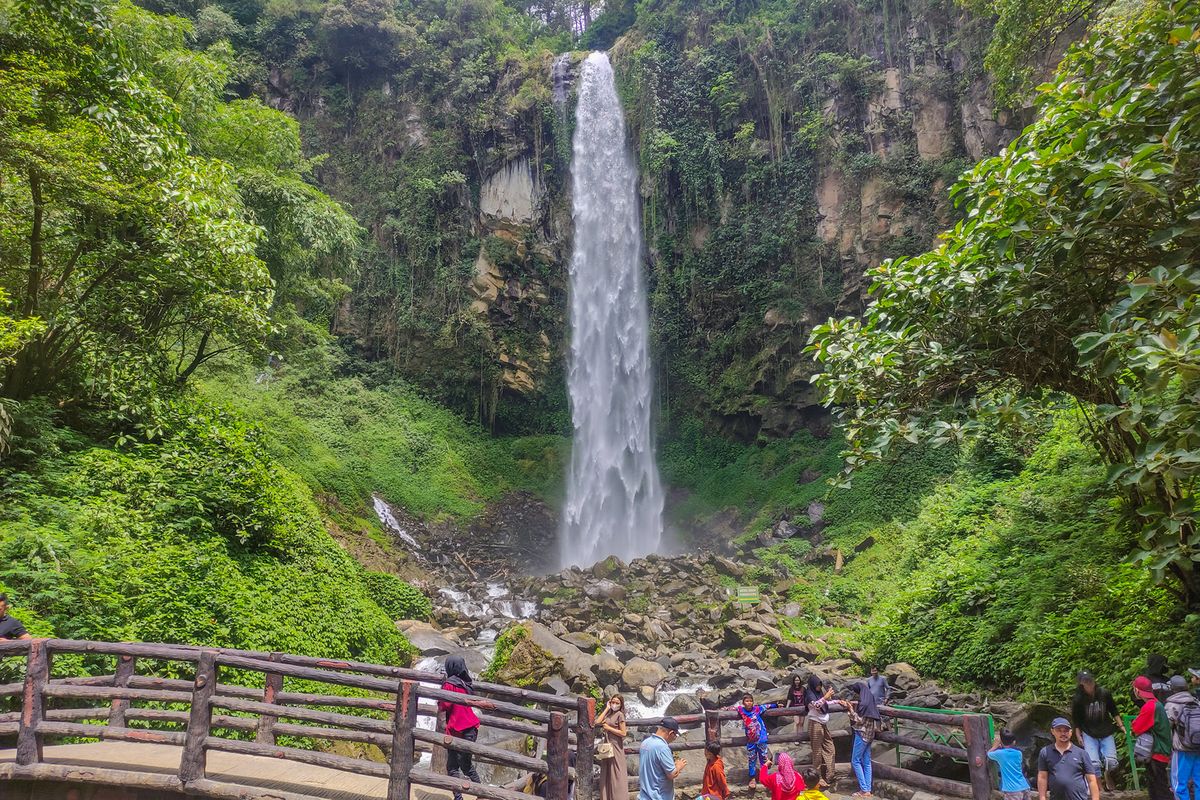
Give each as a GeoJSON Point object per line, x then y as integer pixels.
{"type": "Point", "coordinates": [440, 755]}
{"type": "Point", "coordinates": [37, 672]}
{"type": "Point", "coordinates": [557, 749]}
{"type": "Point", "coordinates": [585, 747]}
{"type": "Point", "coordinates": [272, 686]}
{"type": "Point", "coordinates": [126, 667]}
{"type": "Point", "coordinates": [192, 762]}
{"type": "Point", "coordinates": [712, 727]}
{"type": "Point", "coordinates": [976, 728]}
{"type": "Point", "coordinates": [403, 744]}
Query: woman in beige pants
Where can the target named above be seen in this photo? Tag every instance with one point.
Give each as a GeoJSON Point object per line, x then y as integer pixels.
{"type": "Point", "coordinates": [819, 708]}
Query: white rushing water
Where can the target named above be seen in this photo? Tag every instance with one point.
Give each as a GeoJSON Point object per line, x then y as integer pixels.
{"type": "Point", "coordinates": [614, 497]}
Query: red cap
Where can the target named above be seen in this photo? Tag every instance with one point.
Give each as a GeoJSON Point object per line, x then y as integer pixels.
{"type": "Point", "coordinates": [1142, 685]}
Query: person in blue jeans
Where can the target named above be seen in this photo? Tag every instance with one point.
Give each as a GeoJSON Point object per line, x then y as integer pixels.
{"type": "Point", "coordinates": [1013, 783]}
{"type": "Point", "coordinates": [1096, 720]}
{"type": "Point", "coordinates": [1183, 712]}
{"type": "Point", "coordinates": [866, 721]}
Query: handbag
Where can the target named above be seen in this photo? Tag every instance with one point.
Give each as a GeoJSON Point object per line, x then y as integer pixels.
{"type": "Point", "coordinates": [605, 751]}
{"type": "Point", "coordinates": [1143, 746]}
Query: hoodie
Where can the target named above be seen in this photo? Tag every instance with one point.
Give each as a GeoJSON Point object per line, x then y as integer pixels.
{"type": "Point", "coordinates": [1176, 703]}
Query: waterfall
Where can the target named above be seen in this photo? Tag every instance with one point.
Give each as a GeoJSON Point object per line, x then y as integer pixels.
{"type": "Point", "coordinates": [614, 498]}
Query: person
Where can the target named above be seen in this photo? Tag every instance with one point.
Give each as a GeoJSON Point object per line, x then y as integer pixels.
{"type": "Point", "coordinates": [1065, 772]}
{"type": "Point", "coordinates": [714, 786]}
{"type": "Point", "coordinates": [865, 721]}
{"type": "Point", "coordinates": [1094, 712]}
{"type": "Point", "coordinates": [614, 772]}
{"type": "Point", "coordinates": [756, 733]}
{"type": "Point", "coordinates": [820, 704]}
{"type": "Point", "coordinates": [10, 627]}
{"type": "Point", "coordinates": [461, 721]}
{"type": "Point", "coordinates": [796, 693]}
{"type": "Point", "coordinates": [1152, 719]}
{"type": "Point", "coordinates": [657, 767]}
{"type": "Point", "coordinates": [784, 783]}
{"type": "Point", "coordinates": [811, 780]}
{"type": "Point", "coordinates": [879, 686]}
{"type": "Point", "coordinates": [1013, 784]}
{"type": "Point", "coordinates": [1156, 671]}
{"type": "Point", "coordinates": [1183, 712]}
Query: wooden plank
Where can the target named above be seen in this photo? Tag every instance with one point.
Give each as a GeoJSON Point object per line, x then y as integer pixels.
{"type": "Point", "coordinates": [557, 778]}
{"type": "Point", "coordinates": [927, 717]}
{"type": "Point", "coordinates": [165, 652]}
{"type": "Point", "coordinates": [37, 673]}
{"type": "Point", "coordinates": [403, 743]}
{"type": "Point", "coordinates": [308, 715]}
{"type": "Point", "coordinates": [193, 760]}
{"type": "Point", "coordinates": [306, 673]}
{"type": "Point", "coordinates": [111, 734]}
{"type": "Point", "coordinates": [358, 766]}
{"type": "Point", "coordinates": [918, 780]}
{"type": "Point", "coordinates": [585, 748]}
{"type": "Point", "coordinates": [114, 692]}
{"type": "Point", "coordinates": [495, 755]}
{"type": "Point", "coordinates": [272, 686]}
{"type": "Point", "coordinates": [975, 726]}
{"type": "Point", "coordinates": [922, 744]}
{"type": "Point", "coordinates": [126, 667]}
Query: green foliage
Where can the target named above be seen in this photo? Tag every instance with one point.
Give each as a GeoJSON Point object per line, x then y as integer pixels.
{"type": "Point", "coordinates": [197, 538]}
{"type": "Point", "coordinates": [398, 599]}
{"type": "Point", "coordinates": [1074, 274]}
{"type": "Point", "coordinates": [1016, 583]}
{"type": "Point", "coordinates": [350, 437]}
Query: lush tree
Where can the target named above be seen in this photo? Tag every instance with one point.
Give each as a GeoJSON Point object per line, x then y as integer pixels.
{"type": "Point", "coordinates": [135, 253]}
{"type": "Point", "coordinates": [1074, 275]}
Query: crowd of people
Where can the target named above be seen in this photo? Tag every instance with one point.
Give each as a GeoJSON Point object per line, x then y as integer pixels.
{"type": "Point", "coordinates": [1082, 755]}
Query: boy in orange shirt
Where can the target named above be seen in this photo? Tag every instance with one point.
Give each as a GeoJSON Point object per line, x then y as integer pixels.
{"type": "Point", "coordinates": [714, 785]}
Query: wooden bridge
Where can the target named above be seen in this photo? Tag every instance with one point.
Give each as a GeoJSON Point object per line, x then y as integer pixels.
{"type": "Point", "coordinates": [175, 720]}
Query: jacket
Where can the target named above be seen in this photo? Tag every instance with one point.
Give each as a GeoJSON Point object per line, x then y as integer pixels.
{"type": "Point", "coordinates": [1152, 719]}
{"type": "Point", "coordinates": [1175, 705]}
{"type": "Point", "coordinates": [460, 718]}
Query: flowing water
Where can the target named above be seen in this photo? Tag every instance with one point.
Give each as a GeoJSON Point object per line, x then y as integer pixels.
{"type": "Point", "coordinates": [614, 497]}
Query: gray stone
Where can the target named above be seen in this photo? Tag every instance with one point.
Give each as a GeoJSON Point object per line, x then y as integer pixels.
{"type": "Point", "coordinates": [605, 589]}
{"type": "Point", "coordinates": [902, 676]}
{"type": "Point", "coordinates": [640, 672]}
{"type": "Point", "coordinates": [428, 640]}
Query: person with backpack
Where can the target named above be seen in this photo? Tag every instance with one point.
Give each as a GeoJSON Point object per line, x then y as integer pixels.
{"type": "Point", "coordinates": [1183, 712]}
{"type": "Point", "coordinates": [1152, 748]}
{"type": "Point", "coordinates": [1008, 757]}
{"type": "Point", "coordinates": [1096, 718]}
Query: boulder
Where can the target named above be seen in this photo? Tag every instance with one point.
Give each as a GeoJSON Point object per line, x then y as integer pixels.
{"type": "Point", "coordinates": [647, 694]}
{"type": "Point", "coordinates": [608, 668]}
{"type": "Point", "coordinates": [605, 589]}
{"type": "Point", "coordinates": [608, 567]}
{"type": "Point", "coordinates": [683, 704]}
{"type": "Point", "coordinates": [902, 676]}
{"type": "Point", "coordinates": [578, 668]}
{"type": "Point", "coordinates": [428, 640]}
{"type": "Point", "coordinates": [640, 672]}
{"type": "Point", "coordinates": [748, 633]}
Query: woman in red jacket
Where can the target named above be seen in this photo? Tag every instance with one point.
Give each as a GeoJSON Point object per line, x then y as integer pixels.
{"type": "Point", "coordinates": [783, 783]}
{"type": "Point", "coordinates": [461, 721]}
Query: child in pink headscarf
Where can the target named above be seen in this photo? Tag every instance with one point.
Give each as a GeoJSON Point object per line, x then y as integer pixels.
{"type": "Point", "coordinates": [783, 782]}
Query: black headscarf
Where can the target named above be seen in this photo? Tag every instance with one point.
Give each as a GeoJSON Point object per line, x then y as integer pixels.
{"type": "Point", "coordinates": [812, 692]}
{"type": "Point", "coordinates": [457, 675]}
{"type": "Point", "coordinates": [867, 707]}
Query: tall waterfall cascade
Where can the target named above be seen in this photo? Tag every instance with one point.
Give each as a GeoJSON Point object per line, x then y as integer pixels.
{"type": "Point", "coordinates": [614, 496]}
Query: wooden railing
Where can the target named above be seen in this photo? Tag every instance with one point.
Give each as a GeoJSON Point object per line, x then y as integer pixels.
{"type": "Point", "coordinates": [975, 729]}
{"type": "Point", "coordinates": [381, 709]}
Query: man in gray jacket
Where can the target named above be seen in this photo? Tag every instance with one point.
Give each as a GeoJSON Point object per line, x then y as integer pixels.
{"type": "Point", "coordinates": [1183, 711]}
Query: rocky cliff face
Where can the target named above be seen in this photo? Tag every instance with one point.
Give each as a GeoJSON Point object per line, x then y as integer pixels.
{"type": "Point", "coordinates": [782, 156]}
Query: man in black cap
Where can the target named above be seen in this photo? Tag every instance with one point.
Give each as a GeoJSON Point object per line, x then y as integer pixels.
{"type": "Point", "coordinates": [1065, 772]}
{"type": "Point", "coordinates": [657, 766]}
{"type": "Point", "coordinates": [10, 627]}
{"type": "Point", "coordinates": [1096, 719]}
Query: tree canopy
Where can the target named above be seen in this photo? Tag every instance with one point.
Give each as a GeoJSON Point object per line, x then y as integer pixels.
{"type": "Point", "coordinates": [1073, 275]}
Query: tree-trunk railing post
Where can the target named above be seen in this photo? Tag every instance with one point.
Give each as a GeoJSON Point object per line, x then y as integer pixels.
{"type": "Point", "coordinates": [712, 727]}
{"type": "Point", "coordinates": [272, 686]}
{"type": "Point", "coordinates": [438, 761]}
{"type": "Point", "coordinates": [37, 673]}
{"type": "Point", "coordinates": [975, 726]}
{"type": "Point", "coordinates": [126, 667]}
{"type": "Point", "coordinates": [403, 745]}
{"type": "Point", "coordinates": [557, 752]}
{"type": "Point", "coordinates": [585, 747]}
{"type": "Point", "coordinates": [192, 762]}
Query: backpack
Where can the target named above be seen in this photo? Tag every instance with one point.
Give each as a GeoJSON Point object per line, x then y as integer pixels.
{"type": "Point", "coordinates": [1187, 727]}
